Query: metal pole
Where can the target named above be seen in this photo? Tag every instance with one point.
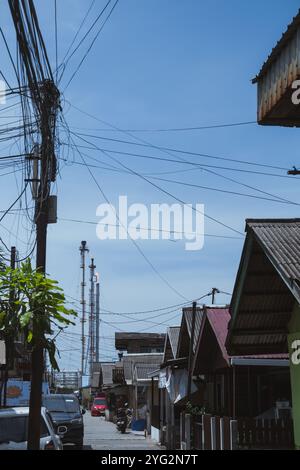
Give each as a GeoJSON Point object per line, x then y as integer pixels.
{"type": "Point", "coordinates": [83, 250]}
{"type": "Point", "coordinates": [92, 316]}
{"type": "Point", "coordinates": [234, 391]}
{"type": "Point", "coordinates": [190, 364]}
{"type": "Point", "coordinates": [98, 321]}
{"type": "Point", "coordinates": [213, 293]}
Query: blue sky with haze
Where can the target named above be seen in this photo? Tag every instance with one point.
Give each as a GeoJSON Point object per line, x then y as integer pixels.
{"type": "Point", "coordinates": [160, 64]}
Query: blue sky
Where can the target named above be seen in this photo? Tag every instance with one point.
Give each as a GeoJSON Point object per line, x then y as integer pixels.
{"type": "Point", "coordinates": [160, 64]}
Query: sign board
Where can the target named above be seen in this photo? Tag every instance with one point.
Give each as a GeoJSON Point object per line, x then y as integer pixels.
{"type": "Point", "coordinates": [18, 392]}
{"type": "Point", "coordinates": [85, 381]}
{"type": "Point", "coordinates": [2, 353]}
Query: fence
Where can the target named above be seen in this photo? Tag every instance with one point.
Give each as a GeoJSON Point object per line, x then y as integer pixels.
{"type": "Point", "coordinates": [208, 432]}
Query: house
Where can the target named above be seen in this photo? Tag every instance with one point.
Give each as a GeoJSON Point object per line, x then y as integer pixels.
{"type": "Point", "coordinates": [276, 81]}
{"type": "Point", "coordinates": [112, 382]}
{"type": "Point", "coordinates": [173, 376]}
{"type": "Point", "coordinates": [223, 386]}
{"type": "Point", "coordinates": [140, 342]}
{"type": "Point", "coordinates": [137, 370]}
{"type": "Point", "coordinates": [237, 386]}
{"type": "Point", "coordinates": [265, 311]}
{"type": "Point", "coordinates": [163, 425]}
{"type": "Point", "coordinates": [144, 353]}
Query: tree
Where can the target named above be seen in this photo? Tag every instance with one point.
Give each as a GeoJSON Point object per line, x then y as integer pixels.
{"type": "Point", "coordinates": [24, 293]}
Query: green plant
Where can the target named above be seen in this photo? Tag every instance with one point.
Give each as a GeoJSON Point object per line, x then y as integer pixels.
{"type": "Point", "coordinates": [195, 410]}
{"type": "Point", "coordinates": [34, 305]}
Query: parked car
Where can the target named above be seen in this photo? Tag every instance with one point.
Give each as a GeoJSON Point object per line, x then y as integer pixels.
{"type": "Point", "coordinates": [14, 425]}
{"type": "Point", "coordinates": [65, 411]}
{"type": "Point", "coordinates": [99, 406]}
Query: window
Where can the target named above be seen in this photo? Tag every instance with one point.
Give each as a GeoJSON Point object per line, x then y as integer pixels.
{"type": "Point", "coordinates": [61, 404]}
{"type": "Point", "coordinates": [99, 401]}
{"type": "Point", "coordinates": [14, 428]}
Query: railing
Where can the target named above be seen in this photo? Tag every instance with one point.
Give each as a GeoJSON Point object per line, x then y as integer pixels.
{"type": "Point", "coordinates": [265, 433]}
{"type": "Point", "coordinates": [206, 432]}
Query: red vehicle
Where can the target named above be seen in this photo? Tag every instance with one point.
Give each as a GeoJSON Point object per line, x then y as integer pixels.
{"type": "Point", "coordinates": [99, 406]}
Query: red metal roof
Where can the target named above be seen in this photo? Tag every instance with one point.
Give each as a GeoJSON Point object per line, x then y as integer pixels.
{"type": "Point", "coordinates": [219, 319]}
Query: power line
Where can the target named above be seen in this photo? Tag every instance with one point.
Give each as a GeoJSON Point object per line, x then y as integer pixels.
{"type": "Point", "coordinates": [179, 129]}
{"type": "Point", "coordinates": [56, 39]}
{"type": "Point", "coordinates": [78, 31]}
{"type": "Point", "coordinates": [278, 199]}
{"type": "Point", "coordinates": [153, 310]}
{"type": "Point", "coordinates": [86, 34]}
{"type": "Point", "coordinates": [142, 143]}
{"type": "Point", "coordinates": [133, 241]}
{"type": "Point", "coordinates": [92, 43]}
{"type": "Point", "coordinates": [170, 194]}
{"type": "Point", "coordinates": [171, 232]}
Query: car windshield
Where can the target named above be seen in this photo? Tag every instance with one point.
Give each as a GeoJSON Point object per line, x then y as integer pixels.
{"type": "Point", "coordinates": [99, 401]}
{"type": "Point", "coordinates": [14, 429]}
{"type": "Point", "coordinates": [62, 404]}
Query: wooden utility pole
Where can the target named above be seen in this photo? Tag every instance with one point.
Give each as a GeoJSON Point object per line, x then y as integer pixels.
{"type": "Point", "coordinates": [191, 351]}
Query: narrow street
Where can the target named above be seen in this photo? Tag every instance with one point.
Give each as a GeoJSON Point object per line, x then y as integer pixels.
{"type": "Point", "coordinates": [102, 435]}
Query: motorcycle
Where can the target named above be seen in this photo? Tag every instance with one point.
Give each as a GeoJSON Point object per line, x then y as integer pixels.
{"type": "Point", "coordinates": [121, 422]}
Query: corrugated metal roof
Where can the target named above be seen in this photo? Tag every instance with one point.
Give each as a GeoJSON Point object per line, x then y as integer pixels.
{"type": "Point", "coordinates": [173, 336]}
{"type": "Point", "coordinates": [107, 374]}
{"type": "Point", "coordinates": [267, 287]}
{"type": "Point", "coordinates": [291, 29]}
{"type": "Point", "coordinates": [95, 382]}
{"type": "Point", "coordinates": [188, 316]}
{"type": "Point", "coordinates": [218, 318]}
{"type": "Point", "coordinates": [127, 340]}
{"type": "Point", "coordinates": [142, 371]}
{"type": "Point", "coordinates": [280, 239]}
{"type": "Point", "coordinates": [130, 360]}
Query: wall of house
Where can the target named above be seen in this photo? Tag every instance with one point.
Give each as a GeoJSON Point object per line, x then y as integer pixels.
{"type": "Point", "coordinates": [294, 346]}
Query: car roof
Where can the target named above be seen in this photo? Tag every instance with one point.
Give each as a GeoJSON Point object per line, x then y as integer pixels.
{"type": "Point", "coordinates": [16, 410]}
{"type": "Point", "coordinates": [61, 395]}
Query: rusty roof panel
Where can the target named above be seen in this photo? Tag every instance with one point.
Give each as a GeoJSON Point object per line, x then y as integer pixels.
{"type": "Point", "coordinates": [281, 44]}
{"type": "Point", "coordinates": [275, 80]}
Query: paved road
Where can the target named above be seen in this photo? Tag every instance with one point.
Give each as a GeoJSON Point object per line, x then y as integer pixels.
{"type": "Point", "coordinates": [102, 435]}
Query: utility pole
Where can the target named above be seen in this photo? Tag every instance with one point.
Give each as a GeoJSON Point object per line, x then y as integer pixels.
{"type": "Point", "coordinates": [214, 291]}
{"type": "Point", "coordinates": [83, 250]}
{"type": "Point", "coordinates": [45, 98]}
{"type": "Point", "coordinates": [92, 316]}
{"type": "Point", "coordinates": [191, 351]}
{"type": "Point", "coordinates": [97, 319]}
{"type": "Point", "coordinates": [49, 106]}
